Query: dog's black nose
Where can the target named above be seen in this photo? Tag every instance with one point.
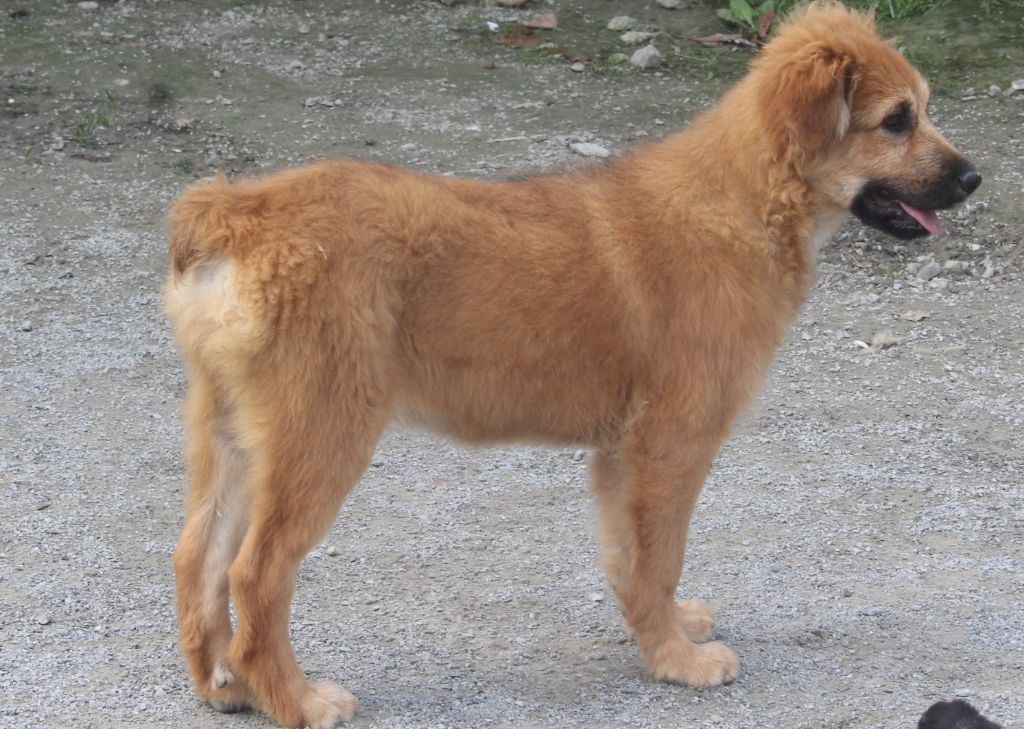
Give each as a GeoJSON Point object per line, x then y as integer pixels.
{"type": "Point", "coordinates": [969, 181]}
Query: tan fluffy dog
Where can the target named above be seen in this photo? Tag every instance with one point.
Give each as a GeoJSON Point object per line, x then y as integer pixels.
{"type": "Point", "coordinates": [632, 308]}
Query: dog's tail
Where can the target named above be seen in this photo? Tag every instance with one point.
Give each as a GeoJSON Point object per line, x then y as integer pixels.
{"type": "Point", "coordinates": [210, 218]}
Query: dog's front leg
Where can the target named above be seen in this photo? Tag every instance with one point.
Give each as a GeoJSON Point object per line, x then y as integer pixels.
{"type": "Point", "coordinates": [646, 497]}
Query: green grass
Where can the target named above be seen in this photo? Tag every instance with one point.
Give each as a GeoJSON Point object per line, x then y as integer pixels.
{"type": "Point", "coordinates": [90, 120]}
{"type": "Point", "coordinates": [745, 13]}
{"type": "Point", "coordinates": [900, 9]}
{"type": "Point", "coordinates": [186, 166]}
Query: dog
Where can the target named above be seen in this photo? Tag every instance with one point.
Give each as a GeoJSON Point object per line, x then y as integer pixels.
{"type": "Point", "coordinates": [956, 714]}
{"type": "Point", "coordinates": [632, 309]}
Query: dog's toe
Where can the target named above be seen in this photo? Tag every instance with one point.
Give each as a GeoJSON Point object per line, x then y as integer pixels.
{"type": "Point", "coordinates": [226, 707]}
{"type": "Point", "coordinates": [327, 705]}
{"type": "Point", "coordinates": [700, 666]}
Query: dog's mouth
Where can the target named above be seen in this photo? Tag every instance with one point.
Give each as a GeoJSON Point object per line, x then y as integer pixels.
{"type": "Point", "coordinates": [882, 207]}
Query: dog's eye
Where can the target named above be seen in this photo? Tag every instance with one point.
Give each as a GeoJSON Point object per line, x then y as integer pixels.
{"type": "Point", "coordinates": [897, 122]}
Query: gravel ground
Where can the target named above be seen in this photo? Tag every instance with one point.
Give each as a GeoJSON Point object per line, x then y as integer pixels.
{"type": "Point", "coordinates": [860, 536]}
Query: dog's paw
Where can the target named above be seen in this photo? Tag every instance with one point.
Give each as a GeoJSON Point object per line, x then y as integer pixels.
{"type": "Point", "coordinates": [697, 619]}
{"type": "Point", "coordinates": [709, 664]}
{"type": "Point", "coordinates": [326, 705]}
{"type": "Point", "coordinates": [227, 694]}
{"type": "Point", "coordinates": [226, 707]}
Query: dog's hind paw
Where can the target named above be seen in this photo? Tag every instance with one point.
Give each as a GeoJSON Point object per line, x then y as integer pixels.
{"type": "Point", "coordinates": [697, 619]}
{"type": "Point", "coordinates": [226, 707]}
{"type": "Point", "coordinates": [700, 666]}
{"type": "Point", "coordinates": [227, 694]}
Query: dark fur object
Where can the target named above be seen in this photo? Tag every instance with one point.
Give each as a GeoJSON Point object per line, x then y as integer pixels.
{"type": "Point", "coordinates": [956, 714]}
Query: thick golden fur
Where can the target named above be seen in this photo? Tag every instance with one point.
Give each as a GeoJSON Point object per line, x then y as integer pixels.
{"type": "Point", "coordinates": [633, 309]}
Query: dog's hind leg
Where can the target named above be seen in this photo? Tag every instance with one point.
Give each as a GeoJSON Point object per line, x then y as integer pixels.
{"type": "Point", "coordinates": [310, 442]}
{"type": "Point", "coordinates": [610, 484]}
{"type": "Point", "coordinates": [214, 525]}
{"type": "Point", "coordinates": [646, 501]}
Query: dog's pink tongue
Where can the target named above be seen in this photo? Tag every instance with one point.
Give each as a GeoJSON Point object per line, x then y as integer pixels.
{"type": "Point", "coordinates": [927, 218]}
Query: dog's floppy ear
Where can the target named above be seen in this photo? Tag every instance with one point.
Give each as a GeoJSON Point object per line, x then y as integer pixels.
{"type": "Point", "coordinates": [810, 101]}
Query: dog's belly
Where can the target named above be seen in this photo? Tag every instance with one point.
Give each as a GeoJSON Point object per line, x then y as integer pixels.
{"type": "Point", "coordinates": [480, 403]}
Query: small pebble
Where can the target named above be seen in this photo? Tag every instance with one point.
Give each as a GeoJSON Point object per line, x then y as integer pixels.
{"type": "Point", "coordinates": [940, 284]}
{"type": "Point", "coordinates": [26, 326]}
{"type": "Point", "coordinates": [44, 619]}
{"type": "Point", "coordinates": [647, 57]}
{"type": "Point", "coordinates": [332, 551]}
{"type": "Point", "coordinates": [671, 4]}
{"type": "Point", "coordinates": [965, 692]}
{"type": "Point", "coordinates": [621, 22]}
{"type": "Point", "coordinates": [578, 67]}
{"type": "Point", "coordinates": [635, 37]}
{"type": "Point", "coordinates": [88, 5]}
{"type": "Point", "coordinates": [588, 149]}
{"type": "Point", "coordinates": [929, 271]}
{"type": "Point", "coordinates": [596, 597]}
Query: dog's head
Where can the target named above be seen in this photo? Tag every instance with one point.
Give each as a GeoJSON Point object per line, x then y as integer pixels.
{"type": "Point", "coordinates": [855, 112]}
